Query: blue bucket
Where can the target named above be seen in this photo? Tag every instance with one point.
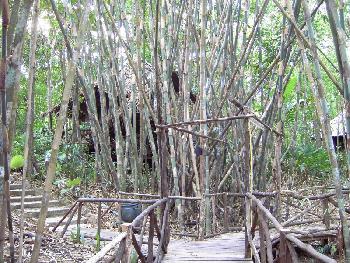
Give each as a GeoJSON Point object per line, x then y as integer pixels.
{"type": "Point", "coordinates": [129, 211]}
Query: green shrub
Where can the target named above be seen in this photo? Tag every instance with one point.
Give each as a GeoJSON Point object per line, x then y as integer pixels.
{"type": "Point", "coordinates": [17, 162]}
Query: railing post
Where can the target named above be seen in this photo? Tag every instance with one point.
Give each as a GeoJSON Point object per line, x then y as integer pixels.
{"type": "Point", "coordinates": [164, 239]}
{"type": "Point", "coordinates": [213, 201]}
{"type": "Point", "coordinates": [150, 237]}
{"type": "Point", "coordinates": [225, 213]}
{"type": "Point", "coordinates": [267, 239]}
{"type": "Point", "coordinates": [71, 210]}
{"type": "Point", "coordinates": [69, 220]}
{"type": "Point", "coordinates": [248, 180]}
{"type": "Point", "coordinates": [262, 242]}
{"type": "Point", "coordinates": [201, 221]}
{"type": "Point", "coordinates": [98, 234]}
{"type": "Point", "coordinates": [127, 247]}
{"type": "Point", "coordinates": [248, 250]}
{"type": "Point", "coordinates": [164, 185]}
{"type": "Point", "coordinates": [284, 255]}
{"type": "Point", "coordinates": [326, 217]}
{"type": "Point", "coordinates": [78, 221]}
{"type": "Point", "coordinates": [137, 248]}
{"type": "Point", "coordinates": [119, 253]}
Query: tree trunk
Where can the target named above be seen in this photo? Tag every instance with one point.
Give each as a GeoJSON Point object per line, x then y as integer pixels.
{"type": "Point", "coordinates": [28, 147]}
{"type": "Point", "coordinates": [4, 144]}
{"type": "Point", "coordinates": [13, 71]}
{"type": "Point", "coordinates": [345, 71]}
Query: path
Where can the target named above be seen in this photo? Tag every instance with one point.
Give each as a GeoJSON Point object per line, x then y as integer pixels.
{"type": "Point", "coordinates": [32, 204]}
{"type": "Point", "coordinates": [224, 248]}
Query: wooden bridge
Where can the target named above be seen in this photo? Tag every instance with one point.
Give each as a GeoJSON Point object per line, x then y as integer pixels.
{"type": "Point", "coordinates": [229, 247]}
{"type": "Point", "coordinates": [252, 232]}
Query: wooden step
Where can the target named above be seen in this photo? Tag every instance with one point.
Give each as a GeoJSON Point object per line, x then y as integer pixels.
{"type": "Point", "coordinates": [52, 221]}
{"type": "Point", "coordinates": [15, 186]}
{"type": "Point", "coordinates": [33, 204]}
{"type": "Point", "coordinates": [18, 186]}
{"type": "Point", "coordinates": [30, 198]}
{"type": "Point", "coordinates": [88, 232]}
{"type": "Point", "coordinates": [18, 192]}
{"type": "Point", "coordinates": [52, 212]}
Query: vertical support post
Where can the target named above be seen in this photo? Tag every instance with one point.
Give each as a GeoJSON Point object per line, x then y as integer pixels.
{"type": "Point", "coordinates": [326, 217]}
{"type": "Point", "coordinates": [262, 249]}
{"type": "Point", "coordinates": [201, 225]}
{"type": "Point", "coordinates": [248, 182]}
{"type": "Point", "coordinates": [119, 253]}
{"type": "Point", "coordinates": [284, 255]}
{"type": "Point", "coordinates": [247, 226]}
{"type": "Point", "coordinates": [164, 185]}
{"type": "Point", "coordinates": [98, 234]}
{"type": "Point", "coordinates": [213, 203]}
{"type": "Point", "coordinates": [150, 237]}
{"type": "Point", "coordinates": [225, 213]}
{"type": "Point", "coordinates": [162, 247]}
{"type": "Point", "coordinates": [78, 221]}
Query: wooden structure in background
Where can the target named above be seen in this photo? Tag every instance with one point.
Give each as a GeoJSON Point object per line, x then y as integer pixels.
{"type": "Point", "coordinates": [241, 246]}
{"type": "Point", "coordinates": [146, 235]}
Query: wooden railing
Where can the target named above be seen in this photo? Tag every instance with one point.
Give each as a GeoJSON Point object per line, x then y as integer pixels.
{"type": "Point", "coordinates": [287, 238]}
{"type": "Point", "coordinates": [77, 207]}
{"type": "Point", "coordinates": [257, 218]}
{"type": "Point", "coordinates": [316, 208]}
{"type": "Point", "coordinates": [122, 244]}
{"type": "Point", "coordinates": [227, 220]}
{"type": "Point", "coordinates": [162, 233]}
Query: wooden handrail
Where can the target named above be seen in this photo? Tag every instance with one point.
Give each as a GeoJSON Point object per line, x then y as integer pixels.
{"type": "Point", "coordinates": [101, 254]}
{"type": "Point", "coordinates": [158, 229]}
{"type": "Point", "coordinates": [115, 200]}
{"type": "Point", "coordinates": [128, 239]}
{"type": "Point", "coordinates": [291, 237]}
{"type": "Point", "coordinates": [139, 194]}
{"type": "Point", "coordinates": [145, 212]}
{"type": "Point", "coordinates": [296, 195]}
{"type": "Point", "coordinates": [64, 216]}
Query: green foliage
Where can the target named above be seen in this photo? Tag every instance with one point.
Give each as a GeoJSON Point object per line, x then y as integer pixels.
{"type": "Point", "coordinates": [18, 145]}
{"type": "Point", "coordinates": [77, 237]}
{"type": "Point", "coordinates": [98, 242]}
{"type": "Point", "coordinates": [74, 162]}
{"type": "Point", "coordinates": [133, 256]}
{"type": "Point", "coordinates": [68, 185]}
{"type": "Point", "coordinates": [312, 160]}
{"type": "Point", "coordinates": [17, 162]}
{"type": "Point", "coordinates": [290, 89]}
{"type": "Point", "coordinates": [73, 183]}
{"type": "Point", "coordinates": [328, 249]}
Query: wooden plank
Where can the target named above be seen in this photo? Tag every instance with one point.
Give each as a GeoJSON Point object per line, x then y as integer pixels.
{"type": "Point", "coordinates": [229, 247]}
{"type": "Point", "coordinates": [206, 261]}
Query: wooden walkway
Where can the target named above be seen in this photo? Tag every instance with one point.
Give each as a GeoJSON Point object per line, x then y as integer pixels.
{"type": "Point", "coordinates": [224, 248]}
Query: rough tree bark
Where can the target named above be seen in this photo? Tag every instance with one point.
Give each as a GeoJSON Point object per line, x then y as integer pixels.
{"type": "Point", "coordinates": [57, 138]}
{"type": "Point", "coordinates": [28, 146]}
{"type": "Point", "coordinates": [4, 143]}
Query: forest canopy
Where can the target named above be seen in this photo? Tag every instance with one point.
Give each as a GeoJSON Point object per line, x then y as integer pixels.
{"type": "Point", "coordinates": [177, 97]}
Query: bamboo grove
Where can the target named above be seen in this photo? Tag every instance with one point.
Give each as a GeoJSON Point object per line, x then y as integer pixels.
{"type": "Point", "coordinates": [159, 62]}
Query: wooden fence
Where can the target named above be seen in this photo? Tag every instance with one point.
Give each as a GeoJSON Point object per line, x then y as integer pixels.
{"type": "Point", "coordinates": [257, 218]}
{"type": "Point", "coordinates": [287, 238]}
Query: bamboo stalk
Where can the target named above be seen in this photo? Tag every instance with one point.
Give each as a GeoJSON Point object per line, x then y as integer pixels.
{"type": "Point", "coordinates": [28, 148]}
